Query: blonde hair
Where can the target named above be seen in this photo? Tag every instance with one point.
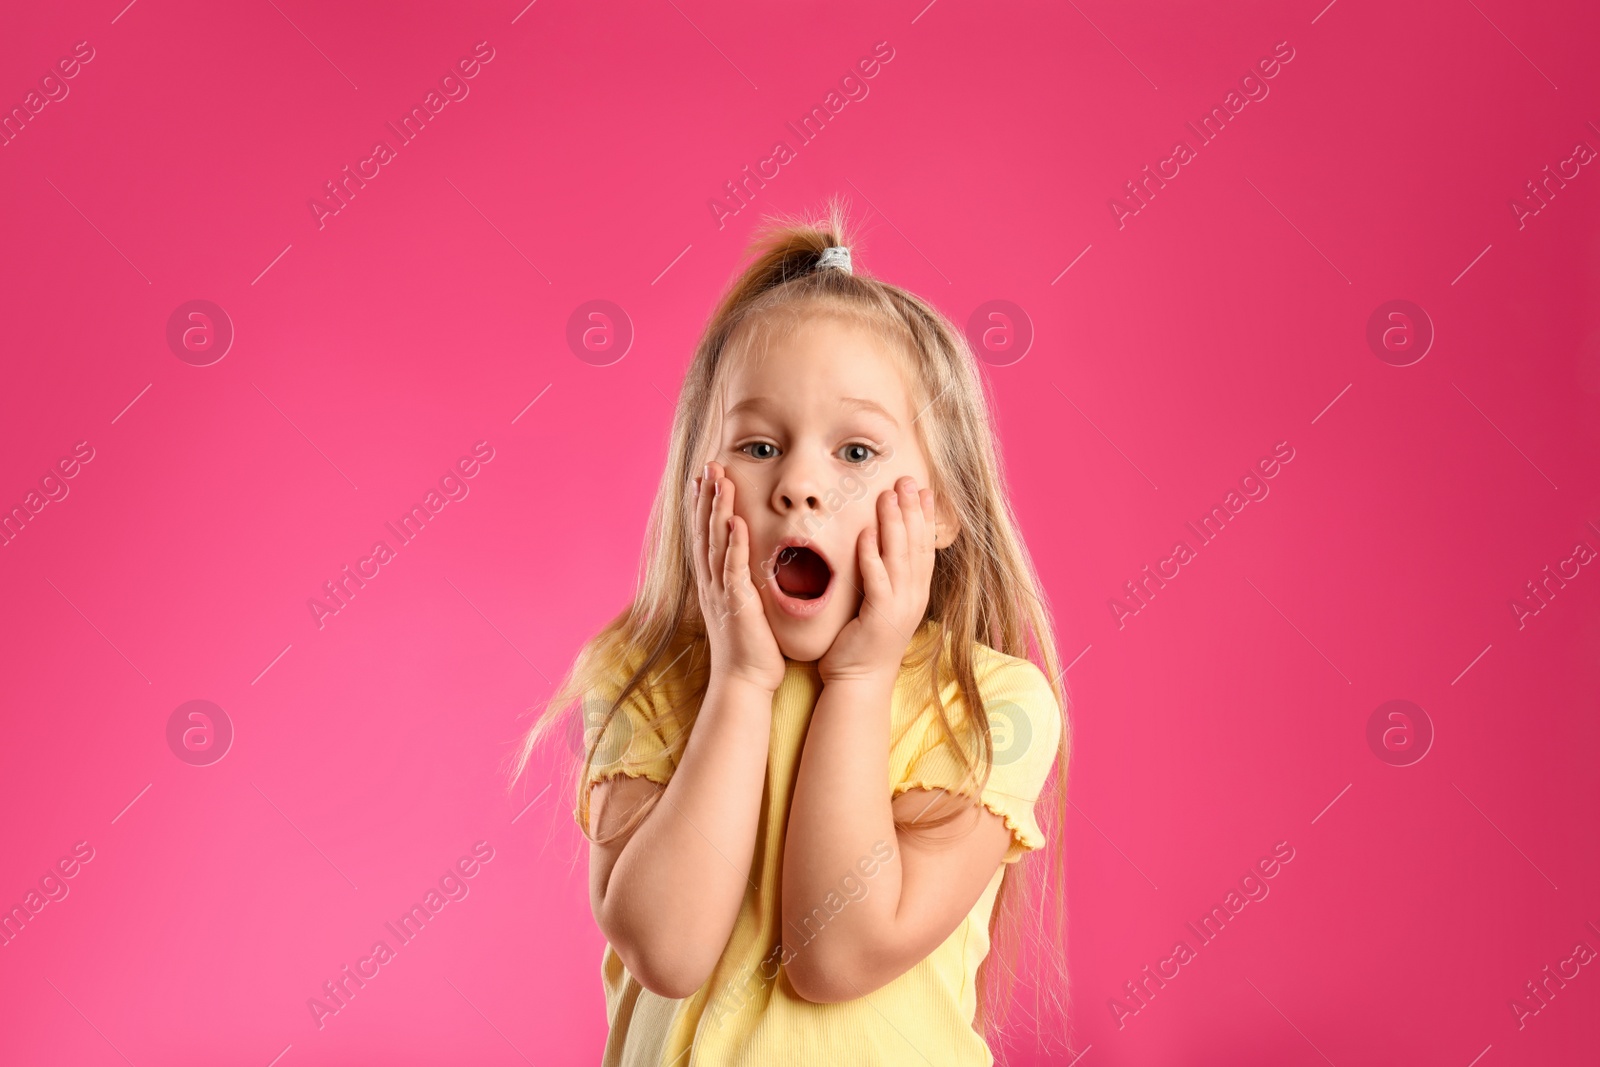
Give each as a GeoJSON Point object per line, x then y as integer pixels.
{"type": "Point", "coordinates": [984, 587]}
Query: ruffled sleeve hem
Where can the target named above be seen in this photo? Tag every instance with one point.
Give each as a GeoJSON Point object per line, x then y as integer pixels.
{"type": "Point", "coordinates": [1026, 836]}
{"type": "Point", "coordinates": [654, 775]}
{"type": "Point", "coordinates": [657, 776]}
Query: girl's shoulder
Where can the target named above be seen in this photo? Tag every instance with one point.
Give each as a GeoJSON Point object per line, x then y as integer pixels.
{"type": "Point", "coordinates": [610, 661]}
{"type": "Point", "coordinates": [640, 732]}
{"type": "Point", "coordinates": [1023, 719]}
{"type": "Point", "coordinates": [1001, 676]}
{"type": "Point", "coordinates": [1012, 689]}
{"type": "Point", "coordinates": [998, 674]}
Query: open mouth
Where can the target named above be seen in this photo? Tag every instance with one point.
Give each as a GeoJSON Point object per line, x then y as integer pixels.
{"type": "Point", "coordinates": [801, 572]}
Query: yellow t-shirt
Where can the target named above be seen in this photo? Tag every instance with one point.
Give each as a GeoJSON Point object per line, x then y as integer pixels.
{"type": "Point", "coordinates": [747, 1013]}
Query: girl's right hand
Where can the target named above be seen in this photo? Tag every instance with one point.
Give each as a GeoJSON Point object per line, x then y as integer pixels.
{"type": "Point", "coordinates": [742, 645]}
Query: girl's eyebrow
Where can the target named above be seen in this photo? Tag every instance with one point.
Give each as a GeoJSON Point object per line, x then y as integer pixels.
{"type": "Point", "coordinates": [852, 403]}
{"type": "Point", "coordinates": [751, 402]}
{"type": "Point", "coordinates": [860, 404]}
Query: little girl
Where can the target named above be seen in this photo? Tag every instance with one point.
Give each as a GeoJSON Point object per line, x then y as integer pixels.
{"type": "Point", "coordinates": [817, 736]}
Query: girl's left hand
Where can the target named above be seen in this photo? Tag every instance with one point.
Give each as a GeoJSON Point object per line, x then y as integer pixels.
{"type": "Point", "coordinates": [897, 575]}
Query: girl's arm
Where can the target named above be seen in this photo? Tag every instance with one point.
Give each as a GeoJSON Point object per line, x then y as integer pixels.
{"type": "Point", "coordinates": [667, 896]}
{"type": "Point", "coordinates": [912, 902]}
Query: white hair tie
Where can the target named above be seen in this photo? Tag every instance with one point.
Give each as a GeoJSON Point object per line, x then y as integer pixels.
{"type": "Point", "coordinates": [835, 256]}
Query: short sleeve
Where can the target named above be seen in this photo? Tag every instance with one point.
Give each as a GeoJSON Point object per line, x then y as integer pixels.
{"type": "Point", "coordinates": [1025, 723]}
{"type": "Point", "coordinates": [637, 741]}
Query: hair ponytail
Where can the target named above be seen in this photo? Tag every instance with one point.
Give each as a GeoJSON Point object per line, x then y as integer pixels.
{"type": "Point", "coordinates": [785, 249]}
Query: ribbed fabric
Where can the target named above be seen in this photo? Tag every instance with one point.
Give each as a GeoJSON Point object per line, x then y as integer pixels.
{"type": "Point", "coordinates": [747, 1013]}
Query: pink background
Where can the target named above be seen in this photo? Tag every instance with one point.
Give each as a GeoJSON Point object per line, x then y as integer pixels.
{"type": "Point", "coordinates": [1228, 315]}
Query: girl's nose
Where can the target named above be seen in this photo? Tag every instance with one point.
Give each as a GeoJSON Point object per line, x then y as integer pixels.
{"type": "Point", "coordinates": [796, 488]}
{"type": "Point", "coordinates": [811, 502]}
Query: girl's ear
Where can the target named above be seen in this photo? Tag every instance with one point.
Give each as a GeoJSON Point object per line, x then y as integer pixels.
{"type": "Point", "coordinates": [946, 525]}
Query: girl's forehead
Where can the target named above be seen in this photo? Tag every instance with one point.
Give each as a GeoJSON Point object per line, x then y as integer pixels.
{"type": "Point", "coordinates": [815, 360]}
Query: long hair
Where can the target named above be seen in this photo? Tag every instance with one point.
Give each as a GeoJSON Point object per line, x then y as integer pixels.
{"type": "Point", "coordinates": [984, 587]}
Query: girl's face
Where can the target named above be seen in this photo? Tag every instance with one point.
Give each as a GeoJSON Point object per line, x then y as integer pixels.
{"type": "Point", "coordinates": [813, 432]}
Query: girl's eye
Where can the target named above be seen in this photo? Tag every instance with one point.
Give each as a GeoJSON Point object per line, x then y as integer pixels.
{"type": "Point", "coordinates": [760, 445]}
{"type": "Point", "coordinates": [858, 453]}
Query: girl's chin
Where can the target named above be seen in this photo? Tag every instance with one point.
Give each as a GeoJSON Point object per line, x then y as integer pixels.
{"type": "Point", "coordinates": [804, 641]}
